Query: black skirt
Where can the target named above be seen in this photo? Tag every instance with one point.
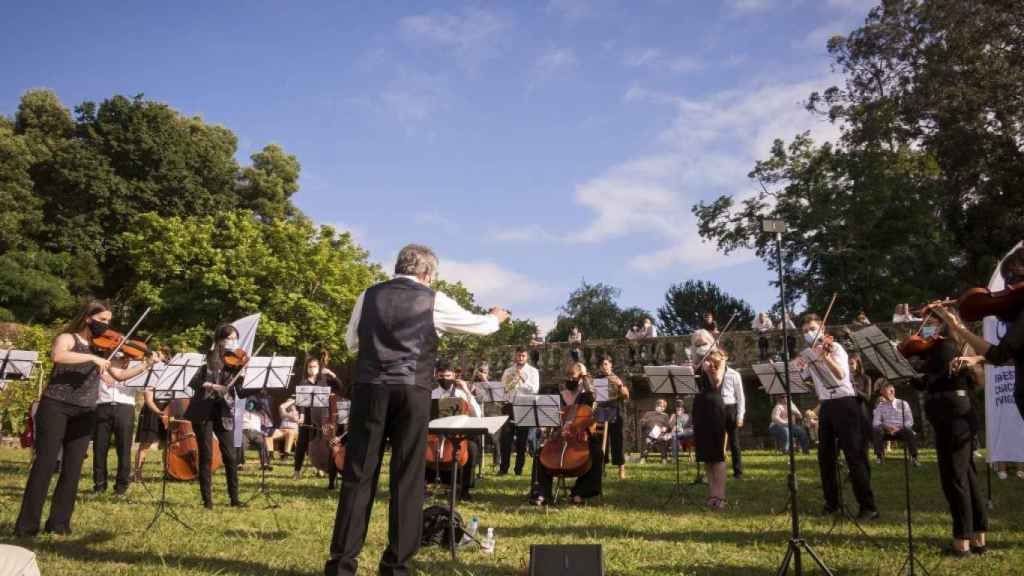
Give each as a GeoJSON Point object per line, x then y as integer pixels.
{"type": "Point", "coordinates": [709, 426]}
{"type": "Point", "coordinates": [151, 427]}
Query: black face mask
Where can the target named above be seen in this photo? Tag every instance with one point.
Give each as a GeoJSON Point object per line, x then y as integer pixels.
{"type": "Point", "coordinates": [571, 385]}
{"type": "Point", "coordinates": [446, 384]}
{"type": "Point", "coordinates": [97, 328]}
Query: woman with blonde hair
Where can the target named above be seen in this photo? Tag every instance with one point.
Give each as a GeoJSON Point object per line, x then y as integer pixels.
{"type": "Point", "coordinates": [709, 425]}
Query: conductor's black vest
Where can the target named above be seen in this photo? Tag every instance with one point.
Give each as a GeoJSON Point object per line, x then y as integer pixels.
{"type": "Point", "coordinates": [397, 337]}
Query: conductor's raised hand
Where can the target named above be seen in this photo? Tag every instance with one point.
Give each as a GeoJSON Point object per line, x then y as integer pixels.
{"type": "Point", "coordinates": [500, 313]}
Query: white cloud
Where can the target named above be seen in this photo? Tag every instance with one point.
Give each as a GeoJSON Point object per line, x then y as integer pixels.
{"type": "Point", "coordinates": [854, 5]}
{"type": "Point", "coordinates": [657, 60]}
{"type": "Point", "coordinates": [531, 233]}
{"type": "Point", "coordinates": [490, 283]}
{"type": "Point", "coordinates": [414, 98]}
{"type": "Point", "coordinates": [434, 219]}
{"type": "Point", "coordinates": [472, 34]}
{"type": "Point", "coordinates": [572, 10]}
{"type": "Point", "coordinates": [749, 6]}
{"type": "Point", "coordinates": [358, 232]}
{"type": "Point", "coordinates": [555, 60]}
{"type": "Point", "coordinates": [705, 150]}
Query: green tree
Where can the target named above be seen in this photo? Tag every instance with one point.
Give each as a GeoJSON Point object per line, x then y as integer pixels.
{"type": "Point", "coordinates": [22, 213]}
{"type": "Point", "coordinates": [266, 186]}
{"type": "Point", "coordinates": [686, 304]}
{"type": "Point", "coordinates": [212, 269]}
{"type": "Point", "coordinates": [593, 308]}
{"type": "Point", "coordinates": [514, 332]}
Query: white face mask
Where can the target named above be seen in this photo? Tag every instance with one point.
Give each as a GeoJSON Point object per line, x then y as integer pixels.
{"type": "Point", "coordinates": [699, 352]}
{"type": "Point", "coordinates": [231, 344]}
{"type": "Point", "coordinates": [811, 336]}
{"type": "Point", "coordinates": [929, 331]}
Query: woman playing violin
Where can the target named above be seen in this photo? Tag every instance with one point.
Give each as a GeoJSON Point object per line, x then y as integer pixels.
{"type": "Point", "coordinates": [1011, 347]}
{"type": "Point", "coordinates": [211, 415]}
{"type": "Point", "coordinates": [66, 418]}
{"type": "Point", "coordinates": [949, 408]}
{"type": "Point", "coordinates": [709, 425]}
{"type": "Point", "coordinates": [577, 391]}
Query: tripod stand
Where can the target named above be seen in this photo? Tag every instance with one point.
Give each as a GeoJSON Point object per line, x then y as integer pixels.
{"type": "Point", "coordinates": [911, 560]}
{"type": "Point", "coordinates": [679, 490]}
{"type": "Point", "coordinates": [163, 506]}
{"type": "Point", "coordinates": [843, 512]}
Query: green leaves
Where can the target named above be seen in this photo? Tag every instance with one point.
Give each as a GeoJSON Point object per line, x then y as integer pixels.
{"type": "Point", "coordinates": [686, 304]}
{"type": "Point", "coordinates": [594, 309]}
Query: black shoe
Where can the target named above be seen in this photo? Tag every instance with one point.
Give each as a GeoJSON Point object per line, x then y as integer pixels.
{"type": "Point", "coordinates": [120, 492]}
{"type": "Point", "coordinates": [537, 501]}
{"type": "Point", "coordinates": [25, 533]}
{"type": "Point", "coordinates": [867, 514]}
{"type": "Point", "coordinates": [208, 504]}
{"type": "Point", "coordinates": [738, 476]}
{"type": "Point", "coordinates": [238, 504]}
{"type": "Point", "coordinates": [951, 552]}
{"type": "Point", "coordinates": [979, 550]}
{"type": "Point", "coordinates": [466, 497]}
{"type": "Point", "coordinates": [503, 473]}
{"type": "Point", "coordinates": [915, 463]}
{"type": "Point", "coordinates": [61, 531]}
{"type": "Point", "coordinates": [99, 489]}
{"type": "Point", "coordinates": [829, 511]}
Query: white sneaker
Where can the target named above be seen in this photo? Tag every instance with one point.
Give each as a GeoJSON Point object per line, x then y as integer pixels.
{"type": "Point", "coordinates": [1001, 474]}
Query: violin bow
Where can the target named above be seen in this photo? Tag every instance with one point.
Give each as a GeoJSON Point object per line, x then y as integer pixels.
{"type": "Point", "coordinates": [714, 343]}
{"type": "Point", "coordinates": [824, 321]}
{"type": "Point", "coordinates": [244, 364]}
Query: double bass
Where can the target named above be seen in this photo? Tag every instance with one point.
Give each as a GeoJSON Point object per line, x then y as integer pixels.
{"type": "Point", "coordinates": [567, 453]}
{"type": "Point", "coordinates": [327, 450]}
{"type": "Point", "coordinates": [182, 460]}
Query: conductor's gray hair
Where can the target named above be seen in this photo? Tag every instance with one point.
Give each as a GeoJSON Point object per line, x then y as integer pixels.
{"type": "Point", "coordinates": [416, 260]}
{"type": "Point", "coordinates": [703, 335]}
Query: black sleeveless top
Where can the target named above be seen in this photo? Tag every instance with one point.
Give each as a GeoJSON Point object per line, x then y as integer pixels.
{"type": "Point", "coordinates": [75, 384]}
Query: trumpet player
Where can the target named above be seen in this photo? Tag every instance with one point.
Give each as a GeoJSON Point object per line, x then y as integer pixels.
{"type": "Point", "coordinates": [519, 378]}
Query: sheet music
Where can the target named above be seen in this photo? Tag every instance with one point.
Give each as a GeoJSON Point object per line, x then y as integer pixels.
{"type": "Point", "coordinates": [537, 411]}
{"type": "Point", "coordinates": [179, 372]}
{"type": "Point", "coordinates": [771, 376]}
{"type": "Point", "coordinates": [819, 374]}
{"type": "Point", "coordinates": [485, 425]}
{"type": "Point", "coordinates": [344, 411]}
{"type": "Point", "coordinates": [146, 378]}
{"type": "Point", "coordinates": [672, 379]}
{"type": "Point", "coordinates": [312, 396]}
{"type": "Point", "coordinates": [17, 364]}
{"type": "Point", "coordinates": [489, 392]}
{"type": "Point", "coordinates": [271, 372]}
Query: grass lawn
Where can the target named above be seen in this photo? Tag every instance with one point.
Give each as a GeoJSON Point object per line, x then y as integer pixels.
{"type": "Point", "coordinates": [641, 534]}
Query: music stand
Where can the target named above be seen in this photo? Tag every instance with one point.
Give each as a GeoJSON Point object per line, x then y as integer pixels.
{"type": "Point", "coordinates": [267, 373]}
{"type": "Point", "coordinates": [312, 396]}
{"type": "Point", "coordinates": [450, 429]}
{"type": "Point", "coordinates": [674, 381]}
{"type": "Point", "coordinates": [536, 411]}
{"type": "Point", "coordinates": [173, 384]}
{"type": "Point", "coordinates": [772, 377]}
{"type": "Point", "coordinates": [493, 398]}
{"type": "Point", "coordinates": [16, 365]}
{"type": "Point", "coordinates": [879, 351]}
{"type": "Point", "coordinates": [146, 378]}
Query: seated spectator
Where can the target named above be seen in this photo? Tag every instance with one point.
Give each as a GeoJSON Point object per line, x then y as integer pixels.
{"type": "Point", "coordinates": [634, 333]}
{"type": "Point", "coordinates": [779, 427]}
{"type": "Point", "coordinates": [861, 320]}
{"type": "Point", "coordinates": [893, 420]}
{"type": "Point", "coordinates": [762, 326]}
{"type": "Point", "coordinates": [252, 433]}
{"type": "Point", "coordinates": [902, 314]}
{"type": "Point", "coordinates": [811, 422]}
{"type": "Point", "coordinates": [649, 330]}
{"type": "Point", "coordinates": [681, 425]}
{"type": "Point", "coordinates": [575, 344]}
{"type": "Point", "coordinates": [291, 419]}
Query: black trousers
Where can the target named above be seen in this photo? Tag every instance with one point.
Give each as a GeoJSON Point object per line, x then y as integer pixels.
{"type": "Point", "coordinates": [732, 440]}
{"type": "Point", "coordinates": [467, 473]}
{"type": "Point", "coordinates": [119, 420]}
{"type": "Point", "coordinates": [879, 436]}
{"type": "Point", "coordinates": [509, 432]}
{"type": "Point", "coordinates": [302, 446]}
{"type": "Point", "coordinates": [952, 420]}
{"type": "Point", "coordinates": [839, 425]}
{"type": "Point", "coordinates": [399, 414]}
{"type": "Point", "coordinates": [205, 430]}
{"type": "Point", "coordinates": [616, 433]}
{"type": "Point", "coordinates": [58, 425]}
{"type": "Point", "coordinates": [586, 486]}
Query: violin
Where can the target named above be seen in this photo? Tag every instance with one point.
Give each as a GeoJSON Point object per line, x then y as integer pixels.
{"type": "Point", "coordinates": [235, 358]}
{"type": "Point", "coordinates": [567, 453]}
{"type": "Point", "coordinates": [916, 345]}
{"type": "Point", "coordinates": [110, 342]}
{"type": "Point", "coordinates": [977, 303]}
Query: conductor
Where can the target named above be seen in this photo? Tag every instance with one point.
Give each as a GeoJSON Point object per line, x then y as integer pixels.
{"type": "Point", "coordinates": [394, 327]}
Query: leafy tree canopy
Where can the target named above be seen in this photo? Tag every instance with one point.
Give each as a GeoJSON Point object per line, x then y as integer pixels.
{"type": "Point", "coordinates": [686, 304]}
{"type": "Point", "coordinates": [594, 309]}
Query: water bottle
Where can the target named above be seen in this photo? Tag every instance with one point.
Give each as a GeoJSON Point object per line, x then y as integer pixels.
{"type": "Point", "coordinates": [488, 544]}
{"type": "Point", "coordinates": [469, 534]}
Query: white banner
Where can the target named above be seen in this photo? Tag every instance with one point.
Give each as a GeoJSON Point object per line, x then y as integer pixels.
{"type": "Point", "coordinates": [1004, 427]}
{"type": "Point", "coordinates": [247, 339]}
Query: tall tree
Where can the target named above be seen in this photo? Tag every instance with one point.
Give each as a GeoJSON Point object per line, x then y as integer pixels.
{"type": "Point", "coordinates": [266, 187]}
{"type": "Point", "coordinates": [686, 304]}
{"type": "Point", "coordinates": [593, 308]}
{"type": "Point", "coordinates": [514, 332]}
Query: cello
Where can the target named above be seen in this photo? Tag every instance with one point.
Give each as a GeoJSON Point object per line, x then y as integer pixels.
{"type": "Point", "coordinates": [327, 450]}
{"type": "Point", "coordinates": [182, 452]}
{"type": "Point", "coordinates": [440, 451]}
{"type": "Point", "coordinates": [567, 453]}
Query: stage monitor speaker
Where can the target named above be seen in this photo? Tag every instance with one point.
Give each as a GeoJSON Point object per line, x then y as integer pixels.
{"type": "Point", "coordinates": [566, 560]}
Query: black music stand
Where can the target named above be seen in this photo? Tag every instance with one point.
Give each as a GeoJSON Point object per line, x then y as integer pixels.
{"type": "Point", "coordinates": [173, 384]}
{"type": "Point", "coordinates": [267, 373]}
{"type": "Point", "coordinates": [772, 376]}
{"type": "Point", "coordinates": [876, 347]}
{"type": "Point", "coordinates": [450, 429]}
{"type": "Point", "coordinates": [16, 365]}
{"type": "Point", "coordinates": [536, 411]}
{"type": "Point", "coordinates": [674, 381]}
{"type": "Point", "coordinates": [492, 398]}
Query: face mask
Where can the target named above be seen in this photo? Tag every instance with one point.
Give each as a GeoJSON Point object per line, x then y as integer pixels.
{"type": "Point", "coordinates": [701, 351]}
{"type": "Point", "coordinates": [929, 331]}
{"type": "Point", "coordinates": [231, 344]}
{"type": "Point", "coordinates": [571, 385]}
{"type": "Point", "coordinates": [97, 328]}
{"type": "Point", "coordinates": [445, 383]}
{"type": "Point", "coordinates": [811, 336]}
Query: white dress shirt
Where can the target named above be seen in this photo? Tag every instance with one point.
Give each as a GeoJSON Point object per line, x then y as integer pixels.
{"type": "Point", "coordinates": [516, 382]}
{"type": "Point", "coordinates": [448, 317]}
{"type": "Point", "coordinates": [826, 385]}
{"type": "Point", "coordinates": [732, 392]}
{"type": "Point", "coordinates": [116, 393]}
{"type": "Point", "coordinates": [896, 414]}
{"type": "Point", "coordinates": [456, 392]}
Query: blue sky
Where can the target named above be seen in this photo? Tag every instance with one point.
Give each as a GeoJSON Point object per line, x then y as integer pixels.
{"type": "Point", "coordinates": [532, 144]}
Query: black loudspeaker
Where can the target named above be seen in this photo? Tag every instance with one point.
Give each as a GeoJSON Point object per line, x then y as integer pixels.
{"type": "Point", "coordinates": [567, 560]}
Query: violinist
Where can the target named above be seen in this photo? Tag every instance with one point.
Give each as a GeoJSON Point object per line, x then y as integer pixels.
{"type": "Point", "coordinates": [210, 414]}
{"type": "Point", "coordinates": [950, 411]}
{"type": "Point", "coordinates": [65, 418]}
{"type": "Point", "coordinates": [733, 398]}
{"type": "Point", "coordinates": [840, 420]}
{"type": "Point", "coordinates": [618, 393]}
{"type": "Point", "coordinates": [577, 391]}
{"type": "Point", "coordinates": [448, 386]}
{"type": "Point", "coordinates": [115, 416]}
{"type": "Point", "coordinates": [311, 417]}
{"type": "Point", "coordinates": [710, 425]}
{"type": "Point", "coordinates": [1011, 347]}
